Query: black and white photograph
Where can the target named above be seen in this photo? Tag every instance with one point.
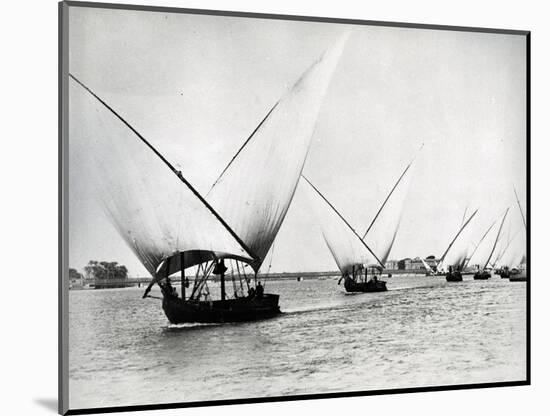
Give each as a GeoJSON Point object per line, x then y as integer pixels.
{"type": "Point", "coordinates": [265, 207]}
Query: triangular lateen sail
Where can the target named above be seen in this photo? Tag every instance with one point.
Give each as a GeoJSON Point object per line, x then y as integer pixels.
{"type": "Point", "coordinates": [382, 230]}
{"type": "Point", "coordinates": [510, 252]}
{"type": "Point", "coordinates": [477, 252]}
{"type": "Point", "coordinates": [255, 190]}
{"type": "Point", "coordinates": [426, 266]}
{"type": "Point", "coordinates": [457, 251]}
{"type": "Point", "coordinates": [376, 243]}
{"type": "Point", "coordinates": [496, 240]}
{"type": "Point", "coordinates": [154, 208]}
{"type": "Point", "coordinates": [345, 245]}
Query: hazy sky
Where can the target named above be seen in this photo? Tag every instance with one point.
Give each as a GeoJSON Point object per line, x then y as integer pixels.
{"type": "Point", "coordinates": [196, 86]}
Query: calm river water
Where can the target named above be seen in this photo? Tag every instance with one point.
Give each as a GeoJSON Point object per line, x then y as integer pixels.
{"type": "Point", "coordinates": [422, 332]}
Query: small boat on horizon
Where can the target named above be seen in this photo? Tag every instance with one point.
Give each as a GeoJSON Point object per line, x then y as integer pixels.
{"type": "Point", "coordinates": [511, 263]}
{"type": "Point", "coordinates": [519, 274]}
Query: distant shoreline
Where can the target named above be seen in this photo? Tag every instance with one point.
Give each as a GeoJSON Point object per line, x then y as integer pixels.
{"type": "Point", "coordinates": [139, 281]}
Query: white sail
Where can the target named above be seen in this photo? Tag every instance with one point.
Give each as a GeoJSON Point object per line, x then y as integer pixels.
{"type": "Point", "coordinates": [484, 248]}
{"type": "Point", "coordinates": [255, 190]}
{"type": "Point", "coordinates": [154, 212]}
{"type": "Point", "coordinates": [373, 248]}
{"type": "Point", "coordinates": [380, 236]}
{"type": "Point", "coordinates": [488, 252]}
{"type": "Point", "coordinates": [458, 249]}
{"type": "Point", "coordinates": [346, 246]}
{"type": "Point", "coordinates": [514, 252]}
{"type": "Point", "coordinates": [426, 266]}
{"type": "Point", "coordinates": [503, 246]}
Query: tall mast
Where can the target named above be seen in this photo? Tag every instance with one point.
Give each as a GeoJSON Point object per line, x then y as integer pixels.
{"type": "Point", "coordinates": [456, 236]}
{"type": "Point", "coordinates": [520, 210]}
{"type": "Point", "coordinates": [496, 239]}
{"type": "Point", "coordinates": [391, 192]}
{"type": "Point", "coordinates": [344, 220]}
{"type": "Point", "coordinates": [244, 145]}
{"type": "Point", "coordinates": [386, 200]}
{"type": "Point", "coordinates": [464, 215]}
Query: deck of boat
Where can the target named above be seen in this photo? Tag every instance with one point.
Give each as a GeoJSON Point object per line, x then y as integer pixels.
{"type": "Point", "coordinates": [371, 286]}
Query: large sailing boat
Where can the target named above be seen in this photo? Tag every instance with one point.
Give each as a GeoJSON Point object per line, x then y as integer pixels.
{"type": "Point", "coordinates": [484, 273]}
{"type": "Point", "coordinates": [353, 253]}
{"type": "Point", "coordinates": [454, 258]}
{"type": "Point", "coordinates": [172, 228]}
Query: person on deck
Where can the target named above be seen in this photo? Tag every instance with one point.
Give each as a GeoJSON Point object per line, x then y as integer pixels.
{"type": "Point", "coordinates": [259, 290]}
{"type": "Point", "coordinates": [169, 289]}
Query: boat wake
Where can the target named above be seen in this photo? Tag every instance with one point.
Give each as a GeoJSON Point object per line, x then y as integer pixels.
{"type": "Point", "coordinates": [189, 325]}
{"type": "Point", "coordinates": [319, 308]}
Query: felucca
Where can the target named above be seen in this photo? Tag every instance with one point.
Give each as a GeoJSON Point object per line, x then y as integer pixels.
{"type": "Point", "coordinates": [354, 254]}
{"type": "Point", "coordinates": [453, 259]}
{"type": "Point", "coordinates": [172, 228]}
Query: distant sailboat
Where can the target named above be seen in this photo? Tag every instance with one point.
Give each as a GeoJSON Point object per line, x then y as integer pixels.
{"type": "Point", "coordinates": [509, 257]}
{"type": "Point", "coordinates": [484, 272]}
{"type": "Point", "coordinates": [429, 270]}
{"type": "Point", "coordinates": [453, 259]}
{"type": "Point", "coordinates": [172, 228]}
{"type": "Point", "coordinates": [502, 248]}
{"type": "Point", "coordinates": [354, 254]}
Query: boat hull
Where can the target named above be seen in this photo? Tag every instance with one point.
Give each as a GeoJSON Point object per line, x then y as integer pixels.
{"type": "Point", "coordinates": [484, 275]}
{"type": "Point", "coordinates": [230, 310]}
{"type": "Point", "coordinates": [503, 273]}
{"type": "Point", "coordinates": [371, 286]}
{"type": "Point", "coordinates": [520, 276]}
{"type": "Point", "coordinates": [453, 277]}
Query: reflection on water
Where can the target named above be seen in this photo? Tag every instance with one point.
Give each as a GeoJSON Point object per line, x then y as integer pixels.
{"type": "Point", "coordinates": [422, 332]}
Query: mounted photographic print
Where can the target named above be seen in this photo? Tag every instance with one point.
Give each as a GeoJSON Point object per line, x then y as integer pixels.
{"type": "Point", "coordinates": [265, 207]}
